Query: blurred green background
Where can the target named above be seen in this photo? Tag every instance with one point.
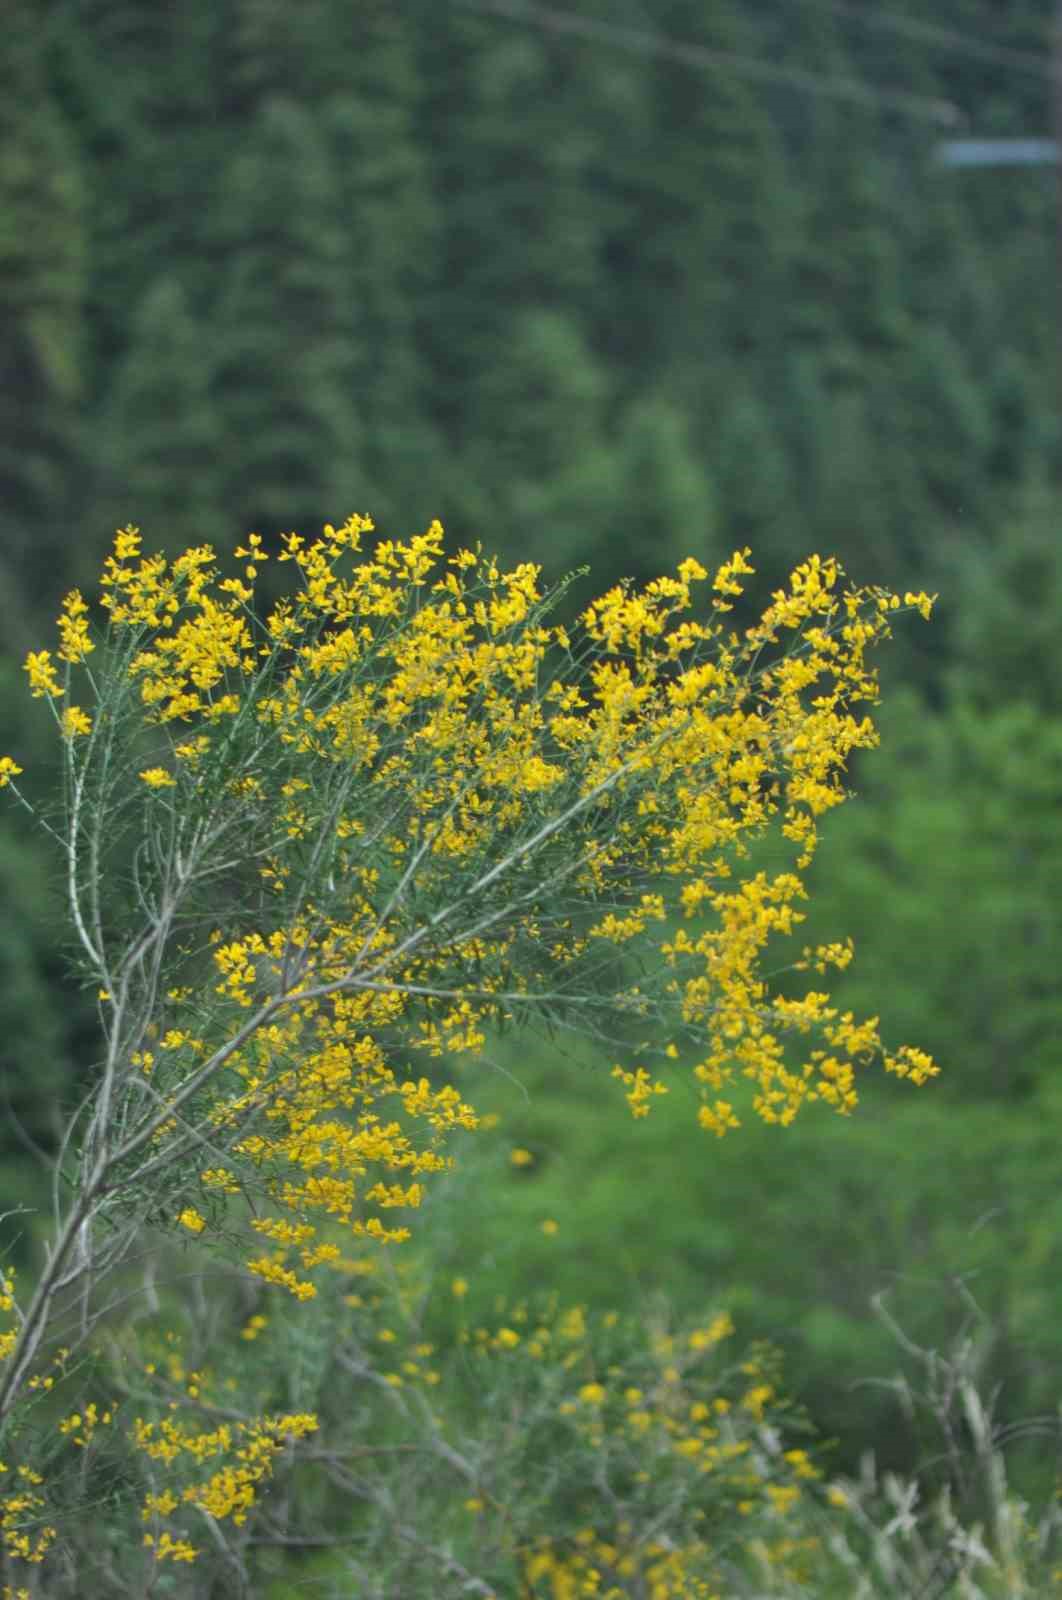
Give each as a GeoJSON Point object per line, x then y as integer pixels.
{"type": "Point", "coordinates": [613, 283]}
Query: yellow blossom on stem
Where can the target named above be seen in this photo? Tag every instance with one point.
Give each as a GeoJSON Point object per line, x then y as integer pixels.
{"type": "Point", "coordinates": [158, 778]}
{"type": "Point", "coordinates": [75, 721]}
{"type": "Point", "coordinates": [41, 674]}
{"type": "Point", "coordinates": [73, 629]}
{"type": "Point", "coordinates": [409, 811]}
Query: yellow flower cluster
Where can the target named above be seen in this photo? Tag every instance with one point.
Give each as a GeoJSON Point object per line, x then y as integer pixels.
{"type": "Point", "coordinates": [22, 1506]}
{"type": "Point", "coordinates": [682, 1448]}
{"type": "Point", "coordinates": [451, 811]}
{"type": "Point", "coordinates": [80, 1427]}
{"type": "Point", "coordinates": [614, 1568]}
{"type": "Point", "coordinates": [246, 1451]}
{"type": "Point", "coordinates": [8, 1335]}
{"type": "Point", "coordinates": [640, 1089]}
{"type": "Point", "coordinates": [326, 1134]}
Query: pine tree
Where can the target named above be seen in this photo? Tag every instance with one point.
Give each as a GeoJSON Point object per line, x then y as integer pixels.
{"type": "Point", "coordinates": [42, 290]}
{"type": "Point", "coordinates": [943, 401]}
{"type": "Point", "coordinates": [1007, 605]}
{"type": "Point", "coordinates": [539, 465]}
{"type": "Point", "coordinates": [752, 470]}
{"type": "Point", "coordinates": [519, 229]}
{"type": "Point", "coordinates": [708, 234]}
{"type": "Point", "coordinates": [157, 435]}
{"type": "Point", "coordinates": [664, 506]}
{"type": "Point", "coordinates": [1013, 410]}
{"type": "Point", "coordinates": [392, 238]}
{"type": "Point", "coordinates": [284, 332]}
{"type": "Point", "coordinates": [305, 52]}
{"type": "Point", "coordinates": [138, 85]}
{"type": "Point", "coordinates": [853, 239]}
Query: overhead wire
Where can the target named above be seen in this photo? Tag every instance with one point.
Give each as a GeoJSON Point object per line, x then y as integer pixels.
{"type": "Point", "coordinates": [869, 16]}
{"type": "Point", "coordinates": [644, 42]}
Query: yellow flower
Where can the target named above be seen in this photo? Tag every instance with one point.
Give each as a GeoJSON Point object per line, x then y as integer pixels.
{"type": "Point", "coordinates": [73, 628]}
{"type": "Point", "coordinates": [38, 666]}
{"type": "Point", "coordinates": [126, 543]}
{"type": "Point", "coordinates": [719, 1328]}
{"type": "Point", "coordinates": [8, 769]}
{"type": "Point", "coordinates": [642, 1089]}
{"type": "Point", "coordinates": [470, 733]}
{"type": "Point", "coordinates": [75, 721]}
{"type": "Point", "coordinates": [166, 1548]}
{"type": "Point", "coordinates": [159, 778]}
{"type": "Point", "coordinates": [921, 601]}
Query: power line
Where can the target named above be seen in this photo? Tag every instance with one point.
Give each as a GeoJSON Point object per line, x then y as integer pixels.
{"type": "Point", "coordinates": [932, 33]}
{"type": "Point", "coordinates": [642, 42]}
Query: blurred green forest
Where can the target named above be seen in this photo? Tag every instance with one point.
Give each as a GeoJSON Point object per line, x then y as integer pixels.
{"type": "Point", "coordinates": [680, 277]}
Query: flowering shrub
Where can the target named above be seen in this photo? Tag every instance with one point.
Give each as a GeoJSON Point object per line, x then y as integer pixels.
{"type": "Point", "coordinates": [313, 856]}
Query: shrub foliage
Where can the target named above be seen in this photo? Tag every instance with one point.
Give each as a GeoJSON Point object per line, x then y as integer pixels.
{"type": "Point", "coordinates": [314, 853]}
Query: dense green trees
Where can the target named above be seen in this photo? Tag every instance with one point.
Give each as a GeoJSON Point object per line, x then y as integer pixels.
{"type": "Point", "coordinates": [953, 871]}
{"type": "Point", "coordinates": [43, 273]}
{"type": "Point", "coordinates": [158, 431]}
{"type": "Point", "coordinates": [370, 217]}
{"type": "Point", "coordinates": [284, 328]}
